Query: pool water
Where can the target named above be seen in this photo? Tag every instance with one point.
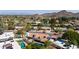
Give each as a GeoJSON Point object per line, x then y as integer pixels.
{"type": "Point", "coordinates": [22, 44]}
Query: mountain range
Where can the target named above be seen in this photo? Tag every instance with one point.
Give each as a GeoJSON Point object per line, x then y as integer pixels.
{"type": "Point", "coordinates": [33, 13]}
{"type": "Point", "coordinates": [62, 13]}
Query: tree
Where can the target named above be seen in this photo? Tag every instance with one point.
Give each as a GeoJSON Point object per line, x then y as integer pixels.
{"type": "Point", "coordinates": [45, 22]}
{"type": "Point", "coordinates": [11, 25]}
{"type": "Point", "coordinates": [28, 26]}
{"type": "Point", "coordinates": [21, 33]}
{"type": "Point", "coordinates": [72, 37]}
{"type": "Point", "coordinates": [69, 26]}
{"type": "Point", "coordinates": [39, 26]}
{"type": "Point", "coordinates": [29, 46]}
{"type": "Point", "coordinates": [47, 43]}
{"type": "Point", "coordinates": [73, 18]}
{"type": "Point", "coordinates": [1, 31]}
{"type": "Point", "coordinates": [1, 23]}
{"type": "Point", "coordinates": [52, 23]}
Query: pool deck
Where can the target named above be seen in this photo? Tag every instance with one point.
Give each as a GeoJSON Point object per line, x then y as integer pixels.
{"type": "Point", "coordinates": [15, 44]}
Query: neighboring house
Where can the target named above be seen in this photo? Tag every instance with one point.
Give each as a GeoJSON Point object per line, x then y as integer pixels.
{"type": "Point", "coordinates": [18, 27]}
{"type": "Point", "coordinates": [6, 36]}
{"type": "Point", "coordinates": [60, 28]}
{"type": "Point", "coordinates": [46, 29]}
{"type": "Point", "coordinates": [37, 34]}
{"type": "Point", "coordinates": [36, 23]}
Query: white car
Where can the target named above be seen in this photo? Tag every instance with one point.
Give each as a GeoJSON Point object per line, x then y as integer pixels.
{"type": "Point", "coordinates": [60, 44]}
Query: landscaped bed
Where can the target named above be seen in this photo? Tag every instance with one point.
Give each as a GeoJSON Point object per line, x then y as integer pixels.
{"type": "Point", "coordinates": [34, 45]}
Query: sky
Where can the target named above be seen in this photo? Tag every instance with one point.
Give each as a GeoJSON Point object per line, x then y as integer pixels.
{"type": "Point", "coordinates": [29, 12]}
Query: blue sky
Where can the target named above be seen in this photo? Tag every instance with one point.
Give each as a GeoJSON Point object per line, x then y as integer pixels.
{"type": "Point", "coordinates": [27, 12]}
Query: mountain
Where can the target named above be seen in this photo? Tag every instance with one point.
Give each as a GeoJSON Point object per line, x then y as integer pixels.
{"type": "Point", "coordinates": [62, 13]}
{"type": "Point", "coordinates": [38, 13]}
